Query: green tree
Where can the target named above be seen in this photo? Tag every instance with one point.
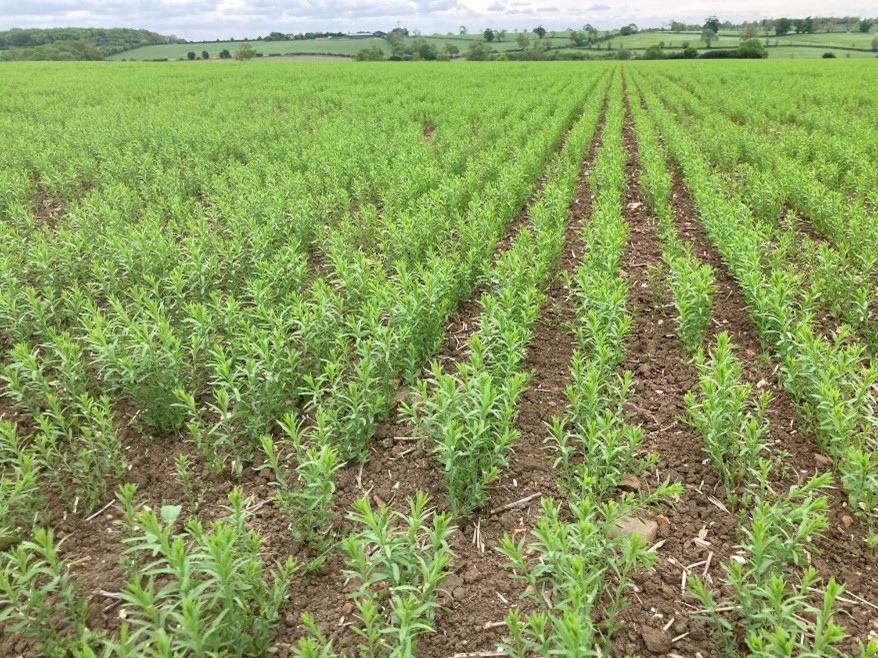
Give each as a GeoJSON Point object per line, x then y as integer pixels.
{"type": "Point", "coordinates": [712, 23]}
{"type": "Point", "coordinates": [452, 50]}
{"type": "Point", "coordinates": [708, 36]}
{"type": "Point", "coordinates": [804, 25]}
{"type": "Point", "coordinates": [478, 52]}
{"type": "Point", "coordinates": [244, 52]}
{"type": "Point", "coordinates": [540, 31]}
{"type": "Point", "coordinates": [373, 54]}
{"type": "Point", "coordinates": [397, 40]}
{"type": "Point", "coordinates": [500, 35]}
{"type": "Point", "coordinates": [107, 41]}
{"type": "Point", "coordinates": [783, 26]}
{"type": "Point", "coordinates": [875, 44]}
{"type": "Point", "coordinates": [191, 55]}
{"type": "Point", "coordinates": [653, 52]}
{"type": "Point", "coordinates": [61, 51]}
{"type": "Point", "coordinates": [752, 49]}
{"type": "Point", "coordinates": [522, 41]}
{"type": "Point", "coordinates": [749, 31]}
{"type": "Point", "coordinates": [462, 30]}
{"type": "Point", "coordinates": [225, 54]}
{"type": "Point", "coordinates": [578, 38]}
{"type": "Point", "coordinates": [865, 26]}
{"type": "Point", "coordinates": [205, 54]}
{"type": "Point", "coordinates": [489, 34]}
{"type": "Point", "coordinates": [422, 50]}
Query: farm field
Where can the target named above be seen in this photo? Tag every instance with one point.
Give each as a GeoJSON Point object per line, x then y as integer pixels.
{"type": "Point", "coordinates": [483, 360]}
{"type": "Point", "coordinates": [727, 38]}
{"type": "Point", "coordinates": [791, 45]}
{"type": "Point", "coordinates": [807, 52]}
{"type": "Point", "coordinates": [336, 47]}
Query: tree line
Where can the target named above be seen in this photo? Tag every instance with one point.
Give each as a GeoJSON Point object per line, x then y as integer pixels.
{"type": "Point", "coordinates": [77, 42]}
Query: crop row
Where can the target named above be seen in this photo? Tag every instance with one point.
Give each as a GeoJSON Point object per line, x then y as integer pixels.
{"type": "Point", "coordinates": [775, 178]}
{"type": "Point", "coordinates": [228, 326]}
{"type": "Point", "coordinates": [826, 377]}
{"type": "Point", "coordinates": [775, 601]}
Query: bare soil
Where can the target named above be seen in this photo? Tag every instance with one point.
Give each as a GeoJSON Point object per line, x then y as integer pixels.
{"type": "Point", "coordinates": [698, 529]}
{"type": "Point", "coordinates": [46, 208]}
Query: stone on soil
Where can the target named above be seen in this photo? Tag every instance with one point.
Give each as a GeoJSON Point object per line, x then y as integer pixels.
{"type": "Point", "coordinates": [630, 483]}
{"type": "Point", "coordinates": [647, 529]}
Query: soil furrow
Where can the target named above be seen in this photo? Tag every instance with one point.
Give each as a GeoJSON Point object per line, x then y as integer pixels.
{"type": "Point", "coordinates": [662, 376]}
{"type": "Point", "coordinates": [843, 553]}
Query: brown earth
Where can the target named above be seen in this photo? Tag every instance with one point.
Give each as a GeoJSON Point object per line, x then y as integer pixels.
{"type": "Point", "coordinates": [657, 616]}
{"type": "Point", "coordinates": [46, 208]}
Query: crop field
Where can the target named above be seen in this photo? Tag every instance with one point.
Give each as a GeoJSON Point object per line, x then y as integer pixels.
{"type": "Point", "coordinates": [543, 359]}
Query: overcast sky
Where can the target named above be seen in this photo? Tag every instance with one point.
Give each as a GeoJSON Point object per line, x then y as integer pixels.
{"type": "Point", "coordinates": [212, 19]}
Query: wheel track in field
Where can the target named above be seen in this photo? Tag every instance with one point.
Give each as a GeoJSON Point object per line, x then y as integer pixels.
{"type": "Point", "coordinates": [843, 554]}
{"type": "Point", "coordinates": [393, 473]}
